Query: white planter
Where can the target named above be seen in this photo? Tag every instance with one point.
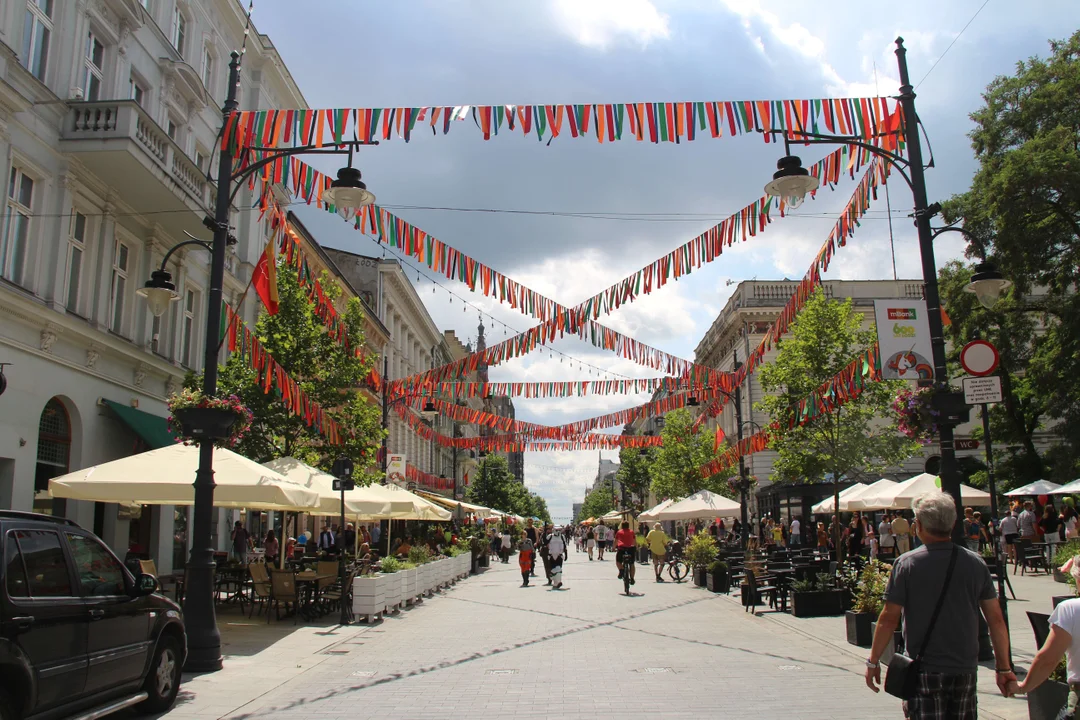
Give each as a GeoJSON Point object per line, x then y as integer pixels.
{"type": "Point", "coordinates": [423, 579]}
{"type": "Point", "coordinates": [369, 596]}
{"type": "Point", "coordinates": [409, 580]}
{"type": "Point", "coordinates": [392, 591]}
{"type": "Point", "coordinates": [466, 564]}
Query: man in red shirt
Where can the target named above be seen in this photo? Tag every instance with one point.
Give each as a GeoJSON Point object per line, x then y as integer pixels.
{"type": "Point", "coordinates": [625, 549]}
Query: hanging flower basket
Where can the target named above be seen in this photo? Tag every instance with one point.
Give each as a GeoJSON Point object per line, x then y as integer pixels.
{"type": "Point", "coordinates": [194, 417]}
{"type": "Point", "coordinates": [916, 416]}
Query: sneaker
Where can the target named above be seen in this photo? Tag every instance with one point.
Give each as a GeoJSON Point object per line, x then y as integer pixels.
{"type": "Point", "coordinates": [620, 574]}
{"type": "Point", "coordinates": [524, 584]}
{"type": "Point", "coordinates": [633, 581]}
{"type": "Point", "coordinates": [659, 579]}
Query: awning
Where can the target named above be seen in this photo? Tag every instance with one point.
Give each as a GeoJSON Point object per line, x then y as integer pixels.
{"type": "Point", "coordinates": [151, 429]}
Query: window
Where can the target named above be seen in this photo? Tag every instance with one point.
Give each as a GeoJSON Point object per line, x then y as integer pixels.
{"type": "Point", "coordinates": [76, 249]}
{"type": "Point", "coordinates": [202, 159]}
{"type": "Point", "coordinates": [137, 92]}
{"type": "Point", "coordinates": [172, 130]}
{"type": "Point", "coordinates": [13, 245]}
{"type": "Point", "coordinates": [179, 30]}
{"type": "Point", "coordinates": [45, 569]}
{"type": "Point", "coordinates": [99, 572]}
{"type": "Point", "coordinates": [119, 287]}
{"type": "Point", "coordinates": [37, 27]}
{"type": "Point", "coordinates": [92, 70]}
{"type": "Point", "coordinates": [191, 304]}
{"type": "Point", "coordinates": [208, 71]}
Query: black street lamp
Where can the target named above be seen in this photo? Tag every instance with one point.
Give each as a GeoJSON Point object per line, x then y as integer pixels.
{"type": "Point", "coordinates": [792, 182]}
{"type": "Point", "coordinates": [203, 638]}
{"type": "Point", "coordinates": [342, 471]}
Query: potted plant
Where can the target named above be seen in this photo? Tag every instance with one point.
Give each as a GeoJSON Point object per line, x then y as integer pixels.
{"type": "Point", "coordinates": [1046, 700]}
{"type": "Point", "coordinates": [916, 416]}
{"type": "Point", "coordinates": [389, 568]}
{"type": "Point", "coordinates": [1065, 551]}
{"type": "Point", "coordinates": [643, 553]}
{"type": "Point", "coordinates": [420, 556]}
{"type": "Point", "coordinates": [369, 596]}
{"type": "Point", "coordinates": [718, 577]}
{"type": "Point", "coordinates": [699, 553]}
{"type": "Point", "coordinates": [408, 573]}
{"type": "Point", "coordinates": [194, 416]}
{"type": "Point", "coordinates": [868, 601]}
{"type": "Point", "coordinates": [816, 597]}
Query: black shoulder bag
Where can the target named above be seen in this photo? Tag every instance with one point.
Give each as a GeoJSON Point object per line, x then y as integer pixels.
{"type": "Point", "coordinates": [902, 679]}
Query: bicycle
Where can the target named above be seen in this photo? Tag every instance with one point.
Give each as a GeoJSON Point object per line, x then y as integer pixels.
{"type": "Point", "coordinates": [677, 568]}
{"type": "Point", "coordinates": [625, 555]}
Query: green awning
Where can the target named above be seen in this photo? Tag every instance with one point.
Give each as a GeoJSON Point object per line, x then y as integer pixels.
{"type": "Point", "coordinates": [151, 429]}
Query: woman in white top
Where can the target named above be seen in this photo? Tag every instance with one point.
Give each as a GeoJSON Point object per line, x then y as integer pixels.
{"type": "Point", "coordinates": [885, 536]}
{"type": "Point", "coordinates": [1064, 639]}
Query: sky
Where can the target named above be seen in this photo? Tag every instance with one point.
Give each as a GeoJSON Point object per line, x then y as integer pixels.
{"type": "Point", "coordinates": [488, 52]}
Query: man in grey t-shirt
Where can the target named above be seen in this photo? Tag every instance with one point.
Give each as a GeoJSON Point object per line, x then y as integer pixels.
{"type": "Point", "coordinates": [947, 677]}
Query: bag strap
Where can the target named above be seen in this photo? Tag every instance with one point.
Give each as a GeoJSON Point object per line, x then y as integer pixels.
{"type": "Point", "coordinates": [940, 602]}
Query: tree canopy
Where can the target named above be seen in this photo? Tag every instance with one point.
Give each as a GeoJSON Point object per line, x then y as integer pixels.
{"type": "Point", "coordinates": [635, 476]}
{"type": "Point", "coordinates": [329, 375]}
{"type": "Point", "coordinates": [598, 503]}
{"type": "Point", "coordinates": [676, 467]}
{"type": "Point", "coordinates": [494, 486]}
{"type": "Point", "coordinates": [1023, 209]}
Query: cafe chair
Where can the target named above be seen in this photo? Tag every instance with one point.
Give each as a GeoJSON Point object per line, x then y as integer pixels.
{"type": "Point", "coordinates": [260, 587]}
{"type": "Point", "coordinates": [754, 591]}
{"type": "Point", "coordinates": [283, 590]}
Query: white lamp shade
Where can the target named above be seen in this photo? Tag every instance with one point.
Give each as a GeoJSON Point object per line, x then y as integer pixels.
{"type": "Point", "coordinates": [158, 299]}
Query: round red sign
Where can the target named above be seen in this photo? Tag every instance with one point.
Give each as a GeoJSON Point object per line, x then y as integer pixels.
{"type": "Point", "coordinates": [979, 357]}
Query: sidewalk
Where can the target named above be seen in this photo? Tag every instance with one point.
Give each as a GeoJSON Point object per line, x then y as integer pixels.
{"type": "Point", "coordinates": [1033, 593]}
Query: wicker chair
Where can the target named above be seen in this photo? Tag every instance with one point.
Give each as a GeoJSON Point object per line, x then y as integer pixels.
{"type": "Point", "coordinates": [283, 590]}
{"type": "Point", "coordinates": [261, 592]}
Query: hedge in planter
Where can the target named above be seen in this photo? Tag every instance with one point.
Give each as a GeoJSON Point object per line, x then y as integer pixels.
{"type": "Point", "coordinates": [700, 552]}
{"type": "Point", "coordinates": [718, 577]}
{"type": "Point", "coordinates": [816, 598]}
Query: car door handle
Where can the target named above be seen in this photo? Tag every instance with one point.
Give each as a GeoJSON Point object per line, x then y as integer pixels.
{"type": "Point", "coordinates": [96, 614]}
{"type": "Point", "coordinates": [23, 623]}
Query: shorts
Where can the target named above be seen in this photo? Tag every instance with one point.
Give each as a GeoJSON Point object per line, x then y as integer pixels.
{"type": "Point", "coordinates": [625, 554]}
{"type": "Point", "coordinates": [1010, 539]}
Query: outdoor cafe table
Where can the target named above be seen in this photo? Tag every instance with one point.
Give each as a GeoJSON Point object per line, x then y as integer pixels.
{"type": "Point", "coordinates": [308, 582]}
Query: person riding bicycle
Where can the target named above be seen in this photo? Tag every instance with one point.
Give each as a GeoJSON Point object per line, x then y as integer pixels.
{"type": "Point", "coordinates": [625, 549]}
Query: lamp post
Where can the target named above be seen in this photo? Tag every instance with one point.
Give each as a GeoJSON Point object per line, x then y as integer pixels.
{"type": "Point", "coordinates": [347, 193]}
{"type": "Point", "coordinates": [793, 182]}
{"type": "Point", "coordinates": [342, 471]}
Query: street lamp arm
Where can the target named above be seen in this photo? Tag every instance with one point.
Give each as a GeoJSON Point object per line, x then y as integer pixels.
{"type": "Point", "coordinates": [276, 153]}
{"type": "Point", "coordinates": [193, 241]}
{"type": "Point", "coordinates": [899, 163]}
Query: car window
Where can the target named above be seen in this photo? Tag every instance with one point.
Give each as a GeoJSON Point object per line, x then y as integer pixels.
{"type": "Point", "coordinates": [47, 572]}
{"type": "Point", "coordinates": [14, 572]}
{"type": "Point", "coordinates": [99, 572]}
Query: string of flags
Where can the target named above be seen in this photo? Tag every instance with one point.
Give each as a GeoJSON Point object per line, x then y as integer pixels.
{"type": "Point", "coordinates": [655, 122]}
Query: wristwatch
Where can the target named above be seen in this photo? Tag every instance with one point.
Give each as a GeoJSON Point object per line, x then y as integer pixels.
{"type": "Point", "coordinates": [872, 665]}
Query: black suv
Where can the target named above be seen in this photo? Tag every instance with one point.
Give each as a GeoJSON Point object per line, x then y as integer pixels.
{"type": "Point", "coordinates": [78, 633]}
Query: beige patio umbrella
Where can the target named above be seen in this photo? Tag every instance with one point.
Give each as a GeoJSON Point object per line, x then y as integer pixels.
{"type": "Point", "coordinates": [165, 477]}
{"type": "Point", "coordinates": [901, 495]}
{"type": "Point", "coordinates": [650, 514]}
{"type": "Point", "coordinates": [403, 505]}
{"type": "Point", "coordinates": [449, 504]}
{"type": "Point", "coordinates": [357, 502]}
{"type": "Point", "coordinates": [702, 504]}
{"type": "Point", "coordinates": [827, 506]}
{"type": "Point", "coordinates": [865, 500]}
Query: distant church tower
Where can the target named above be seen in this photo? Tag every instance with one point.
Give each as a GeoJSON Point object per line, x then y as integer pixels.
{"type": "Point", "coordinates": [481, 345]}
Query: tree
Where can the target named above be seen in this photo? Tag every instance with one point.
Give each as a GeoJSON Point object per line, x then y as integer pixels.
{"type": "Point", "coordinates": [1024, 210]}
{"type": "Point", "coordinates": [635, 477]}
{"type": "Point", "coordinates": [825, 337]}
{"type": "Point", "coordinates": [599, 502]}
{"type": "Point", "coordinates": [494, 486]}
{"type": "Point", "coordinates": [330, 375]}
{"type": "Point", "coordinates": [539, 508]}
{"type": "Point", "coordinates": [676, 470]}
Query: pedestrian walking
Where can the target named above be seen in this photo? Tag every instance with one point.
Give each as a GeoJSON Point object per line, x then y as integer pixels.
{"type": "Point", "coordinates": [972, 530]}
{"type": "Point", "coordinates": [241, 542]}
{"type": "Point", "coordinates": [1010, 531]}
{"type": "Point", "coordinates": [1027, 521]}
{"type": "Point", "coordinates": [609, 545]}
{"type": "Point", "coordinates": [901, 530]}
{"type": "Point", "coordinates": [822, 537]}
{"type": "Point", "coordinates": [795, 533]}
{"type": "Point", "coordinates": [525, 560]}
{"type": "Point", "coordinates": [657, 540]}
{"type": "Point", "coordinates": [886, 539]}
{"type": "Point", "coordinates": [504, 547]}
{"type": "Point", "coordinates": [545, 554]}
{"type": "Point", "coordinates": [556, 551]}
{"type": "Point", "coordinates": [939, 590]}
{"type": "Point", "coordinates": [534, 538]}
{"type": "Point", "coordinates": [601, 540]}
{"type": "Point", "coordinates": [590, 542]}
{"type": "Point", "coordinates": [1051, 528]}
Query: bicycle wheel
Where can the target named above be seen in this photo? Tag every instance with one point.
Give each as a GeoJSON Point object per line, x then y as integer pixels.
{"type": "Point", "coordinates": [626, 577]}
{"type": "Point", "coordinates": [677, 569]}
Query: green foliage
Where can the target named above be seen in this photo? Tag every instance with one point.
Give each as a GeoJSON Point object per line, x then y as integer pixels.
{"type": "Point", "coordinates": [329, 375]}
{"type": "Point", "coordinates": [718, 567]}
{"type": "Point", "coordinates": [676, 470]}
{"type": "Point", "coordinates": [419, 554]}
{"type": "Point", "coordinates": [1024, 210]}
{"type": "Point", "coordinates": [599, 502]}
{"type": "Point", "coordinates": [390, 565]}
{"type": "Point", "coordinates": [494, 486]}
{"type": "Point", "coordinates": [634, 476]}
{"type": "Point", "coordinates": [701, 550]}
{"type": "Point", "coordinates": [819, 583]}
{"type": "Point", "coordinates": [825, 337]}
{"type": "Point", "coordinates": [870, 591]}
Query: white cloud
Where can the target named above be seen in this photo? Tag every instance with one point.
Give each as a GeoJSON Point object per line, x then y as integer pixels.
{"type": "Point", "coordinates": [600, 23]}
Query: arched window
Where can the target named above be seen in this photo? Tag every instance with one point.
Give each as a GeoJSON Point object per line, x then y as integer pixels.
{"type": "Point", "coordinates": [53, 451]}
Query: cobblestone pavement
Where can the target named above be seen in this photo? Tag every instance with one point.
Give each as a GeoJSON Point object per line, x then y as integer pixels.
{"type": "Point", "coordinates": [487, 646]}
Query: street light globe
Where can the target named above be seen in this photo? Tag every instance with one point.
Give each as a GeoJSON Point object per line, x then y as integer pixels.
{"type": "Point", "coordinates": [159, 292]}
{"type": "Point", "coordinates": [791, 181]}
{"type": "Point", "coordinates": [429, 411]}
{"type": "Point", "coordinates": [988, 284]}
{"type": "Point", "coordinates": [348, 193]}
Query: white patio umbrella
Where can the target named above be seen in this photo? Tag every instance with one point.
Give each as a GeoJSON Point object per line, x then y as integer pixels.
{"type": "Point", "coordinates": [404, 505]}
{"type": "Point", "coordinates": [356, 501]}
{"type": "Point", "coordinates": [865, 500]}
{"type": "Point", "coordinates": [701, 504]}
{"type": "Point", "coordinates": [165, 477]}
{"type": "Point", "coordinates": [826, 505]}
{"type": "Point", "coordinates": [901, 495]}
{"type": "Point", "coordinates": [1039, 487]}
{"type": "Point", "coordinates": [650, 514]}
{"type": "Point", "coordinates": [478, 510]}
{"type": "Point", "coordinates": [1072, 488]}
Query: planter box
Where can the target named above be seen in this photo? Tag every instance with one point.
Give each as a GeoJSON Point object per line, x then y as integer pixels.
{"type": "Point", "coordinates": [392, 591]}
{"type": "Point", "coordinates": [1058, 599]}
{"type": "Point", "coordinates": [1046, 701]}
{"type": "Point", "coordinates": [699, 577]}
{"type": "Point", "coordinates": [823, 603]}
{"type": "Point", "coordinates": [718, 583]}
{"type": "Point", "coordinates": [464, 565]}
{"type": "Point", "coordinates": [644, 555]}
{"type": "Point", "coordinates": [423, 579]}
{"type": "Point", "coordinates": [858, 628]}
{"type": "Point", "coordinates": [408, 585]}
{"type": "Point", "coordinates": [483, 560]}
{"type": "Point", "coordinates": [369, 597]}
{"type": "Point", "coordinates": [897, 641]}
{"type": "Point", "coordinates": [1060, 576]}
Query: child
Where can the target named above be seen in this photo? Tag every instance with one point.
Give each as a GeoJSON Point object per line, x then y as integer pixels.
{"type": "Point", "coordinates": [525, 554]}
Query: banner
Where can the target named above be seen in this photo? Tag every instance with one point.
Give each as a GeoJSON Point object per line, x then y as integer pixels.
{"type": "Point", "coordinates": [395, 470]}
{"type": "Point", "coordinates": [904, 339]}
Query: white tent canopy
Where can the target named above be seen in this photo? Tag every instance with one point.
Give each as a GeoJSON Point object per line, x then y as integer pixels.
{"type": "Point", "coordinates": [1039, 487]}
{"type": "Point", "coordinates": [650, 514]}
{"type": "Point", "coordinates": [701, 504]}
{"type": "Point", "coordinates": [165, 477]}
{"type": "Point", "coordinates": [865, 500]}
{"type": "Point", "coordinates": [900, 496]}
{"type": "Point", "coordinates": [1072, 488]}
{"type": "Point", "coordinates": [356, 501]}
{"type": "Point", "coordinates": [404, 505]}
{"type": "Point", "coordinates": [826, 505]}
{"type": "Point", "coordinates": [478, 510]}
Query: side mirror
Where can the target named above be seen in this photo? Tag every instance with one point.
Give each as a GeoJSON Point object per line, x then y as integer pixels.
{"type": "Point", "coordinates": [145, 584]}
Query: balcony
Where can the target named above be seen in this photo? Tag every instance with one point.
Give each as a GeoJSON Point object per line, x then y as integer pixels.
{"type": "Point", "coordinates": [120, 144]}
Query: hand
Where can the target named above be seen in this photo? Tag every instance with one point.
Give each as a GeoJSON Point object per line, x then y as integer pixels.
{"type": "Point", "coordinates": [1016, 688]}
{"type": "Point", "coordinates": [873, 678]}
{"type": "Point", "coordinates": [1005, 680]}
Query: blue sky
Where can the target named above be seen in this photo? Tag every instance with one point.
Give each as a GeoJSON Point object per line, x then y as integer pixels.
{"type": "Point", "coordinates": [452, 52]}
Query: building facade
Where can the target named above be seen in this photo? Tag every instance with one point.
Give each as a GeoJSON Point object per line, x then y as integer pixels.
{"type": "Point", "coordinates": [109, 113]}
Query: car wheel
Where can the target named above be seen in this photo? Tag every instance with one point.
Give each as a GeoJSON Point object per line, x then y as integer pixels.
{"type": "Point", "coordinates": [163, 680]}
